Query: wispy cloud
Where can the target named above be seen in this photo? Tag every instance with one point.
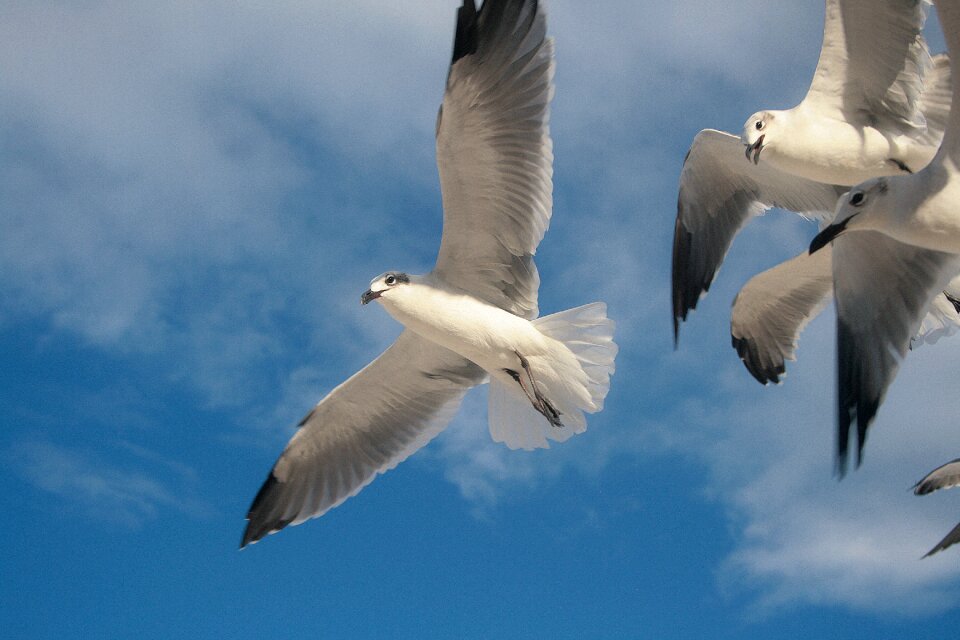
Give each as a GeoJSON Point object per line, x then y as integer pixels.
{"type": "Point", "coordinates": [116, 491]}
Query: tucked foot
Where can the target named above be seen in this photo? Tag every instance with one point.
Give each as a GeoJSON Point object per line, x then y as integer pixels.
{"type": "Point", "coordinates": [537, 399]}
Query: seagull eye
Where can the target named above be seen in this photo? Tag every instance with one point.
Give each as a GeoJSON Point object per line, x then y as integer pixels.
{"type": "Point", "coordinates": [758, 125]}
{"type": "Point", "coordinates": [857, 199]}
{"type": "Point", "coordinates": [390, 280]}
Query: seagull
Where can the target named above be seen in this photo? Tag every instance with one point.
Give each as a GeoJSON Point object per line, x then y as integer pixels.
{"type": "Point", "coordinates": [943, 477]}
{"type": "Point", "coordinates": [473, 318]}
{"type": "Point", "coordinates": [772, 309]}
{"type": "Point", "coordinates": [877, 105]}
{"type": "Point", "coordinates": [882, 295]}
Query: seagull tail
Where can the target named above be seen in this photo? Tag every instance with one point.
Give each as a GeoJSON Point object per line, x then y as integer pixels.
{"type": "Point", "coordinates": [575, 379]}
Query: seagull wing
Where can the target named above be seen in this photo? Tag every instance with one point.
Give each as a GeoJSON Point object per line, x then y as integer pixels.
{"type": "Point", "coordinates": [772, 309]}
{"type": "Point", "coordinates": [882, 289]}
{"type": "Point", "coordinates": [720, 192]}
{"type": "Point", "coordinates": [949, 15]}
{"type": "Point", "coordinates": [935, 100]}
{"type": "Point", "coordinates": [950, 539]}
{"type": "Point", "coordinates": [365, 426]}
{"type": "Point", "coordinates": [494, 153]}
{"type": "Point", "coordinates": [872, 62]}
{"type": "Point", "coordinates": [943, 477]}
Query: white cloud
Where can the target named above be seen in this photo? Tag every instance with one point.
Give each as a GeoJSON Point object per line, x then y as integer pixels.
{"type": "Point", "coordinates": [107, 491]}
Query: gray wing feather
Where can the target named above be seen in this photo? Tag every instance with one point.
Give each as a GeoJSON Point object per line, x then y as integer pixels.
{"type": "Point", "coordinates": [943, 477]}
{"type": "Point", "coordinates": [882, 289]}
{"type": "Point", "coordinates": [771, 310]}
{"type": "Point", "coordinates": [720, 191]}
{"type": "Point", "coordinates": [935, 100]}
{"type": "Point", "coordinates": [365, 426]}
{"type": "Point", "coordinates": [495, 155]}
{"type": "Point", "coordinates": [950, 539]}
{"type": "Point", "coordinates": [872, 62]}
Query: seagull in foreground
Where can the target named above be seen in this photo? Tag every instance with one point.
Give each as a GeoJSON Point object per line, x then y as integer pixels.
{"type": "Point", "coordinates": [772, 309]}
{"type": "Point", "coordinates": [474, 317]}
{"type": "Point", "coordinates": [877, 105]}
{"type": "Point", "coordinates": [882, 295]}
{"type": "Point", "coordinates": [943, 477]}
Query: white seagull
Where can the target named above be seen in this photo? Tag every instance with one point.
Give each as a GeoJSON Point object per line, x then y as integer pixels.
{"type": "Point", "coordinates": [474, 317]}
{"type": "Point", "coordinates": [877, 105]}
{"type": "Point", "coordinates": [882, 293]}
{"type": "Point", "coordinates": [943, 477]}
{"type": "Point", "coordinates": [774, 306]}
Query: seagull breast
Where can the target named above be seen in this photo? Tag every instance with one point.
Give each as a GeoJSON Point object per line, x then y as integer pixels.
{"type": "Point", "coordinates": [481, 332]}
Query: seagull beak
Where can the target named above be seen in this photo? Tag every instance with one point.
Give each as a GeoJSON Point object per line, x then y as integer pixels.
{"type": "Point", "coordinates": [826, 236]}
{"type": "Point", "coordinates": [756, 148]}
{"type": "Point", "coordinates": [369, 296]}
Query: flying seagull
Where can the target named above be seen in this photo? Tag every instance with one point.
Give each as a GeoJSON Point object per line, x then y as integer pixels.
{"type": "Point", "coordinates": [943, 477]}
{"type": "Point", "coordinates": [774, 306]}
{"type": "Point", "coordinates": [474, 317]}
{"type": "Point", "coordinates": [882, 295]}
{"type": "Point", "coordinates": [877, 105]}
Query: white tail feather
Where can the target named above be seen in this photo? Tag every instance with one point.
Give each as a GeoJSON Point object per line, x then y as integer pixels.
{"type": "Point", "coordinates": [574, 377]}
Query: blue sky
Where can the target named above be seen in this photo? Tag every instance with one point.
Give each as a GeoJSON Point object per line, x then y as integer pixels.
{"type": "Point", "coordinates": [192, 199]}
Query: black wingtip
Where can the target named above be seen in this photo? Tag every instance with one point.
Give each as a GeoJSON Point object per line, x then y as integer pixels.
{"type": "Point", "coordinates": [685, 288]}
{"type": "Point", "coordinates": [750, 356]}
{"type": "Point", "coordinates": [259, 524]}
{"type": "Point", "coordinates": [465, 41]}
{"type": "Point", "coordinates": [954, 301]}
{"type": "Point", "coordinates": [948, 541]}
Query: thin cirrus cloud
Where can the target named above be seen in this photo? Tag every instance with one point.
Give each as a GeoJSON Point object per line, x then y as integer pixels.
{"type": "Point", "coordinates": [108, 491]}
{"type": "Point", "coordinates": [153, 155]}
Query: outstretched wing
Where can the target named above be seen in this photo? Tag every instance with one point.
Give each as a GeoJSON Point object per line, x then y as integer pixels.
{"type": "Point", "coordinates": [882, 289]}
{"type": "Point", "coordinates": [943, 477]}
{"type": "Point", "coordinates": [494, 153]}
{"type": "Point", "coordinates": [720, 191]}
{"type": "Point", "coordinates": [771, 310]}
{"type": "Point", "coordinates": [365, 426]}
{"type": "Point", "coordinates": [872, 62]}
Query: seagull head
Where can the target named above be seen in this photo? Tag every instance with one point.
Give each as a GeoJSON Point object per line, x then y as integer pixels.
{"type": "Point", "coordinates": [382, 284]}
{"type": "Point", "coordinates": [755, 131]}
{"type": "Point", "coordinates": [856, 209]}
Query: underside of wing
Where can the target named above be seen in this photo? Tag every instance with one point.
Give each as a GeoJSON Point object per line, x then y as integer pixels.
{"type": "Point", "coordinates": [882, 289]}
{"type": "Point", "coordinates": [772, 309]}
{"type": "Point", "coordinates": [720, 191]}
{"type": "Point", "coordinates": [365, 426]}
{"type": "Point", "coordinates": [872, 62]}
{"type": "Point", "coordinates": [943, 477]}
{"type": "Point", "coordinates": [949, 540]}
{"type": "Point", "coordinates": [494, 153]}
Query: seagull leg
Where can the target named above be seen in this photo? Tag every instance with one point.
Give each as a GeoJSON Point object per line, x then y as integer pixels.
{"type": "Point", "coordinates": [537, 399]}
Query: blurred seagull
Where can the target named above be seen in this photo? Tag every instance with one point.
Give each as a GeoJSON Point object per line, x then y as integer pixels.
{"type": "Point", "coordinates": [882, 293]}
{"type": "Point", "coordinates": [877, 105]}
{"type": "Point", "coordinates": [943, 477]}
{"type": "Point", "coordinates": [474, 317]}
